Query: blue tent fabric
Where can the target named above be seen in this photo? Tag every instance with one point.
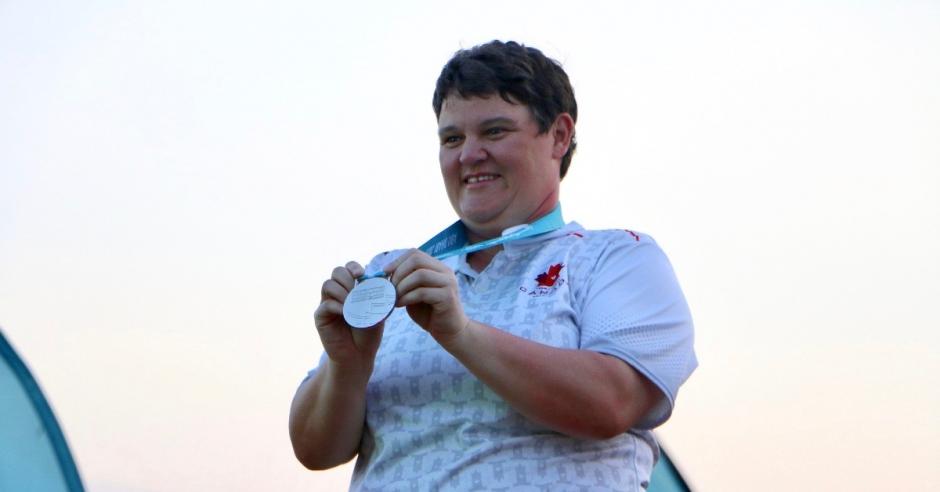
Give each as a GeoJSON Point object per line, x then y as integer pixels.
{"type": "Point", "coordinates": [666, 477]}
{"type": "Point", "coordinates": [34, 455]}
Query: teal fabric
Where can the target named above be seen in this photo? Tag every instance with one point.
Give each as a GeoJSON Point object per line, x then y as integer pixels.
{"type": "Point", "coordinates": [666, 478]}
{"type": "Point", "coordinates": [33, 453]}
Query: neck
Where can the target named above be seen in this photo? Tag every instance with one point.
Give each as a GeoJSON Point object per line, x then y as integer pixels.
{"type": "Point", "coordinates": [479, 260]}
{"type": "Point", "coordinates": [483, 233]}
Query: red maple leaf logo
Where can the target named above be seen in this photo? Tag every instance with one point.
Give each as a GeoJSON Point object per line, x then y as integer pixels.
{"type": "Point", "coordinates": [549, 278]}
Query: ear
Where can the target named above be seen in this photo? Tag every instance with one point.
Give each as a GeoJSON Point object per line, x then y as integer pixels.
{"type": "Point", "coordinates": [562, 131]}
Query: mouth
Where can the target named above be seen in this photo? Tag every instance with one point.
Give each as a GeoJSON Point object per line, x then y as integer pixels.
{"type": "Point", "coordinates": [479, 178]}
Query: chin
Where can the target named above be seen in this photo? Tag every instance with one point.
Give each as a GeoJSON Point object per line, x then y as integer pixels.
{"type": "Point", "coordinates": [481, 220]}
{"type": "Point", "coordinates": [478, 212]}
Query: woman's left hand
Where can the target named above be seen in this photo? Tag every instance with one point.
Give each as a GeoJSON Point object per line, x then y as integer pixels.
{"type": "Point", "coordinates": [428, 290]}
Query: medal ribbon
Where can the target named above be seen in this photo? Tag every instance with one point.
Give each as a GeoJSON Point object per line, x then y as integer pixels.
{"type": "Point", "coordinates": [453, 240]}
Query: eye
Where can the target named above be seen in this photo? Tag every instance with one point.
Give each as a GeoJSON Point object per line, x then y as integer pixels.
{"type": "Point", "coordinates": [450, 140]}
{"type": "Point", "coordinates": [495, 131]}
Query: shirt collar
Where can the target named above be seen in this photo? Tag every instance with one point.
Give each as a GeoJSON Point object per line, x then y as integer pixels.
{"type": "Point", "coordinates": [512, 249]}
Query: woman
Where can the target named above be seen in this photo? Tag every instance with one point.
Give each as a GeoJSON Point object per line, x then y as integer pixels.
{"type": "Point", "coordinates": [537, 362]}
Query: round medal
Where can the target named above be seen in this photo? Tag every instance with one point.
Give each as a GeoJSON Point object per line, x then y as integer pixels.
{"type": "Point", "coordinates": [369, 302]}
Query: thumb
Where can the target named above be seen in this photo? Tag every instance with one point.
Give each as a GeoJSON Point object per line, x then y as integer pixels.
{"type": "Point", "coordinates": [368, 339]}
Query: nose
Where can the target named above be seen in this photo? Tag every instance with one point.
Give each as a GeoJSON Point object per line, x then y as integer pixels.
{"type": "Point", "coordinates": [472, 151]}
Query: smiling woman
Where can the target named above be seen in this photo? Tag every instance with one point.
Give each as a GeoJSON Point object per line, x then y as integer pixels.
{"type": "Point", "coordinates": [534, 361]}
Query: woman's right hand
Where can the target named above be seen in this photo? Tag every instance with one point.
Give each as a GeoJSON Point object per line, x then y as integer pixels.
{"type": "Point", "coordinates": [328, 412]}
{"type": "Point", "coordinates": [349, 349]}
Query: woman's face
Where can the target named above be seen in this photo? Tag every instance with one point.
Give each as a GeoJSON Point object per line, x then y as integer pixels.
{"type": "Point", "coordinates": [498, 170]}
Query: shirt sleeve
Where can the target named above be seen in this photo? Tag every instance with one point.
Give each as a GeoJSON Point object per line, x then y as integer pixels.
{"type": "Point", "coordinates": [634, 310]}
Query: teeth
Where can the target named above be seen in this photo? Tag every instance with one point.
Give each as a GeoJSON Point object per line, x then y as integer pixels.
{"type": "Point", "coordinates": [477, 179]}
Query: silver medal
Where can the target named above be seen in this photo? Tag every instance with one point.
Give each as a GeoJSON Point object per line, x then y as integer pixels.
{"type": "Point", "coordinates": [369, 302]}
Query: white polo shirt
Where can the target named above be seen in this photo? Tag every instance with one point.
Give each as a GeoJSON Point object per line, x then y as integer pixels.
{"type": "Point", "coordinates": [431, 425]}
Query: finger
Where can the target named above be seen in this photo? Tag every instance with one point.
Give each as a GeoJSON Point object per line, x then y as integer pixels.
{"type": "Point", "coordinates": [422, 277]}
{"type": "Point", "coordinates": [332, 289]}
{"type": "Point", "coordinates": [392, 267]}
{"type": "Point", "coordinates": [369, 339]}
{"type": "Point", "coordinates": [343, 277]}
{"type": "Point", "coordinates": [355, 269]}
{"type": "Point", "coordinates": [415, 261]}
{"type": "Point", "coordinates": [328, 310]}
{"type": "Point", "coordinates": [432, 296]}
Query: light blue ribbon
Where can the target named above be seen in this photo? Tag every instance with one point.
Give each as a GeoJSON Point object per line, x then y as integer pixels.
{"type": "Point", "coordinates": [453, 240]}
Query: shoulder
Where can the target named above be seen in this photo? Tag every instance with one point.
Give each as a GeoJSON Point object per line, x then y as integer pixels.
{"type": "Point", "coordinates": [613, 243]}
{"type": "Point", "coordinates": [626, 237]}
{"type": "Point", "coordinates": [627, 258]}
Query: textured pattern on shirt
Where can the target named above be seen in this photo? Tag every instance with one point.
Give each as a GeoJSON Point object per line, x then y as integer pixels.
{"type": "Point", "coordinates": [431, 425]}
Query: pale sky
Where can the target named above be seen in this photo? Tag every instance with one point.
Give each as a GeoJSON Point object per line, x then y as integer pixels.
{"type": "Point", "coordinates": [178, 178]}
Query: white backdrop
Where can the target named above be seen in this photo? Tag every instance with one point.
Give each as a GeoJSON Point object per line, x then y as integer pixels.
{"type": "Point", "coordinates": [178, 178]}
